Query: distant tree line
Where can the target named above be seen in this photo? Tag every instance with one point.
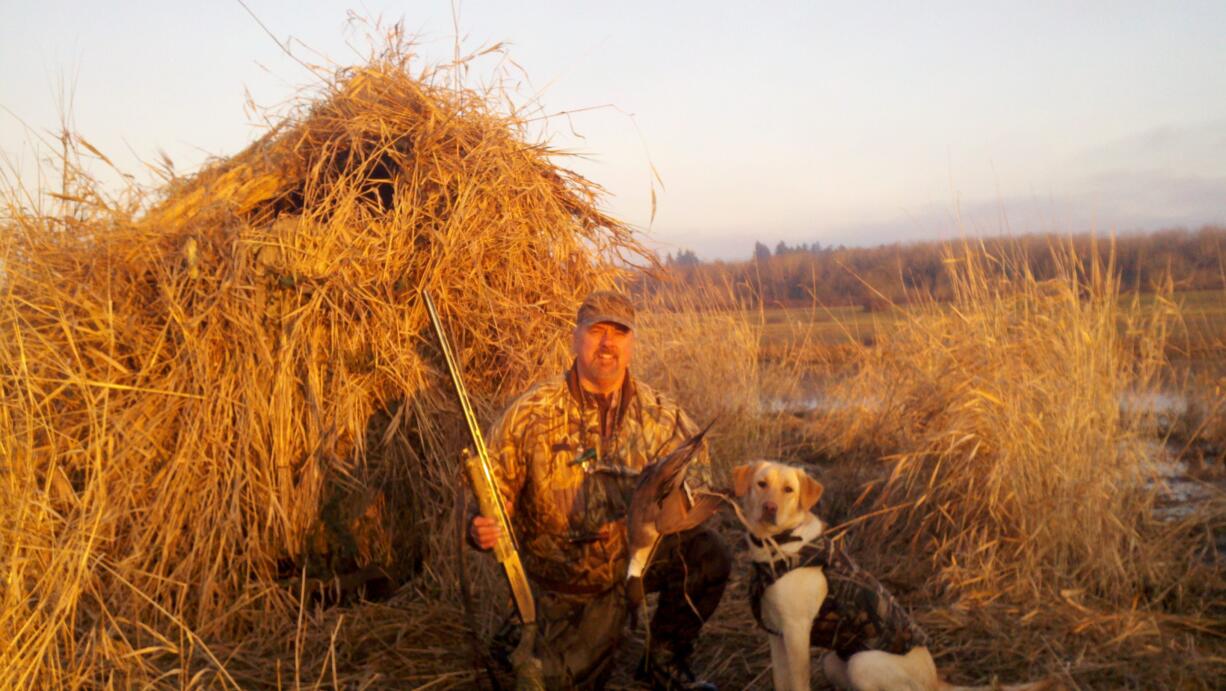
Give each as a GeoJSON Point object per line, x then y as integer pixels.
{"type": "Point", "coordinates": [793, 275]}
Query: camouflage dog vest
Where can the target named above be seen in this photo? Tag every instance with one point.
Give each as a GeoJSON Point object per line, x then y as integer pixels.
{"type": "Point", "coordinates": [858, 612]}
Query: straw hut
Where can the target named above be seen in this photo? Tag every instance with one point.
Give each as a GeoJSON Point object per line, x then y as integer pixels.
{"type": "Point", "coordinates": [235, 389]}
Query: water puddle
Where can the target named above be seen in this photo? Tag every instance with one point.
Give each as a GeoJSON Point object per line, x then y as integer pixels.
{"type": "Point", "coordinates": [1178, 492]}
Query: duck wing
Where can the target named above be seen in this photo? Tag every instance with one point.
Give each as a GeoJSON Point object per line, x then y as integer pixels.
{"type": "Point", "coordinates": [669, 472]}
{"type": "Point", "coordinates": [677, 514]}
{"type": "Point", "coordinates": [660, 488]}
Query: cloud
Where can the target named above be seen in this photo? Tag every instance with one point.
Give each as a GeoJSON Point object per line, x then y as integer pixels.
{"type": "Point", "coordinates": [1144, 199]}
{"type": "Point", "coordinates": [1161, 177]}
{"type": "Point", "coordinates": [1118, 202]}
{"type": "Point", "coordinates": [1195, 148]}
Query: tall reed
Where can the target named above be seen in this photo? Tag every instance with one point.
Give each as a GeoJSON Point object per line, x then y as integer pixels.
{"type": "Point", "coordinates": [1015, 479]}
{"type": "Point", "coordinates": [703, 343]}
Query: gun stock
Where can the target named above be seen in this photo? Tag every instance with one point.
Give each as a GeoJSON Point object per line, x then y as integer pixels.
{"type": "Point", "coordinates": [505, 551]}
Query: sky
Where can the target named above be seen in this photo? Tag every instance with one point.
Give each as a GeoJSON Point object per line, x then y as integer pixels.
{"type": "Point", "coordinates": [838, 123]}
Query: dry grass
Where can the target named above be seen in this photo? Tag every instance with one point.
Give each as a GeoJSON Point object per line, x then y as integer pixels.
{"type": "Point", "coordinates": [983, 455]}
{"type": "Point", "coordinates": [1020, 488]}
{"type": "Point", "coordinates": [705, 348]}
{"type": "Point", "coordinates": [210, 402]}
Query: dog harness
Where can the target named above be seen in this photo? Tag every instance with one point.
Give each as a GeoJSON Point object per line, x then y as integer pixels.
{"type": "Point", "coordinates": [858, 612]}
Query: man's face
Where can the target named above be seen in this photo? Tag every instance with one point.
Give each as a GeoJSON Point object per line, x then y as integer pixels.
{"type": "Point", "coordinates": [602, 353]}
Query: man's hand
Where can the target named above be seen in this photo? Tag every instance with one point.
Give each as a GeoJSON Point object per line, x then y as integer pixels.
{"type": "Point", "coordinates": [484, 531]}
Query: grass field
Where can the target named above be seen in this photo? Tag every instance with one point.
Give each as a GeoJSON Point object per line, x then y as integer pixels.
{"type": "Point", "coordinates": [1203, 313]}
{"type": "Point", "coordinates": [221, 414]}
{"type": "Point", "coordinates": [994, 474]}
{"type": "Point", "coordinates": [1196, 346]}
{"type": "Point", "coordinates": [977, 451]}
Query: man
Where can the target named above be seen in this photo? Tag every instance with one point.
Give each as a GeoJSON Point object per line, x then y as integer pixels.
{"type": "Point", "coordinates": [565, 456]}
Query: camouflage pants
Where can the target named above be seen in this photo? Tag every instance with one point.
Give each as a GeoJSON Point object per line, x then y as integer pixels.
{"type": "Point", "coordinates": [579, 635]}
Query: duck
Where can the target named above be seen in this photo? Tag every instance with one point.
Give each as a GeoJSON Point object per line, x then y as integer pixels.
{"type": "Point", "coordinates": [662, 504]}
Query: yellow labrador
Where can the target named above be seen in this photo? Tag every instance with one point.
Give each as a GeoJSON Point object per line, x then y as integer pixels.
{"type": "Point", "coordinates": [806, 591]}
{"type": "Point", "coordinates": [777, 499]}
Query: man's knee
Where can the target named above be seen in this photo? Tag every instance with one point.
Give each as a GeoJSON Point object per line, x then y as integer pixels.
{"type": "Point", "coordinates": [696, 556]}
{"type": "Point", "coordinates": [706, 548]}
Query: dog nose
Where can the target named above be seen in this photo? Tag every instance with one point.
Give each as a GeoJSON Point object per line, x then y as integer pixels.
{"type": "Point", "coordinates": [769, 509]}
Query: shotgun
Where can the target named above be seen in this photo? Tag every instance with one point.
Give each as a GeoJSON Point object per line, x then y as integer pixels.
{"type": "Point", "coordinates": [481, 478]}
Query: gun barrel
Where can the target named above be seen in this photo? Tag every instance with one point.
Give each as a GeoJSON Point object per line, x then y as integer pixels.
{"type": "Point", "coordinates": [481, 478]}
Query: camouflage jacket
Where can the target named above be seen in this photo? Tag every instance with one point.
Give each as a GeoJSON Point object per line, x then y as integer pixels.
{"type": "Point", "coordinates": [567, 486]}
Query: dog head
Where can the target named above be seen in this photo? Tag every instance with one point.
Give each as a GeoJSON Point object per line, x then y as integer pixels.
{"type": "Point", "coordinates": [774, 497]}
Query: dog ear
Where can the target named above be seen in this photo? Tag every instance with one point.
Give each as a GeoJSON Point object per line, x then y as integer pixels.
{"type": "Point", "coordinates": [742, 475]}
{"type": "Point", "coordinates": [810, 491]}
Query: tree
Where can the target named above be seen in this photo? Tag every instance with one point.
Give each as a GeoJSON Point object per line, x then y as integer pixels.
{"type": "Point", "coordinates": [761, 252]}
{"type": "Point", "coordinates": [686, 258]}
{"type": "Point", "coordinates": [836, 275]}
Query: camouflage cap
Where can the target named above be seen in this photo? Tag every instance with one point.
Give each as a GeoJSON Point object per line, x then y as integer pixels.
{"type": "Point", "coordinates": [605, 306]}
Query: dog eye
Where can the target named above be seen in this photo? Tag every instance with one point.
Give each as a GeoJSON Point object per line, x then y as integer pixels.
{"type": "Point", "coordinates": [762, 484]}
{"type": "Point", "coordinates": [789, 490]}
